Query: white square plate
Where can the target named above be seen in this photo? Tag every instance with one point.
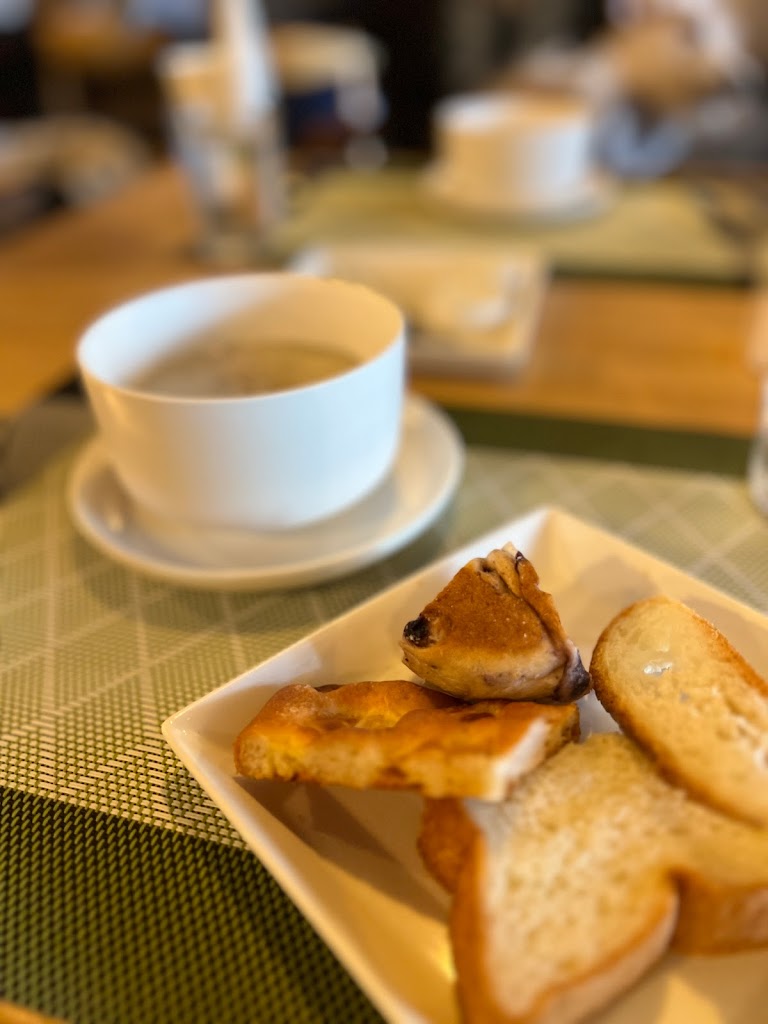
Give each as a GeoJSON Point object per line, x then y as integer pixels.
{"type": "Point", "coordinates": [348, 859]}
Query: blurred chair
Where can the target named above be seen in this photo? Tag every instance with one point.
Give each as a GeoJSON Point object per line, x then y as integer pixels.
{"type": "Point", "coordinates": [92, 57]}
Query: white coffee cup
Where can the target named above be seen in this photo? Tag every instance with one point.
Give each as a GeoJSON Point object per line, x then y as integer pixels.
{"type": "Point", "coordinates": [527, 150]}
{"type": "Point", "coordinates": [272, 460]}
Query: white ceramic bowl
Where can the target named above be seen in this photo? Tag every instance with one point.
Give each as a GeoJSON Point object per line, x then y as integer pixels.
{"type": "Point", "coordinates": [266, 461]}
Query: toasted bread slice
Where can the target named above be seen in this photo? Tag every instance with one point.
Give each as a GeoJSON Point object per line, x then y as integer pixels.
{"type": "Point", "coordinates": [396, 734]}
{"type": "Point", "coordinates": [677, 686]}
{"type": "Point", "coordinates": [493, 633]}
{"type": "Point", "coordinates": [445, 839]}
{"type": "Point", "coordinates": [573, 887]}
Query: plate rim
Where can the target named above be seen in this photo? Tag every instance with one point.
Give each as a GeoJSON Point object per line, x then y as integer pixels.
{"type": "Point", "coordinates": [170, 570]}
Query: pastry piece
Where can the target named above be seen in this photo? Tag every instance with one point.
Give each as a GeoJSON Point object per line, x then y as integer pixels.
{"type": "Point", "coordinates": [395, 734]}
{"type": "Point", "coordinates": [677, 686]}
{"type": "Point", "coordinates": [570, 890]}
{"type": "Point", "coordinates": [492, 632]}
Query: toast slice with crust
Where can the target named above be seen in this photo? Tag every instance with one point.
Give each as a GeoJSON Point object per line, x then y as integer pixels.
{"type": "Point", "coordinates": [492, 632]}
{"type": "Point", "coordinates": [675, 684]}
{"type": "Point", "coordinates": [396, 734]}
{"type": "Point", "coordinates": [565, 894]}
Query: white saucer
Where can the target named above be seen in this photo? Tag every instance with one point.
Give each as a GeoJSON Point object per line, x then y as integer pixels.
{"type": "Point", "coordinates": [424, 478]}
{"type": "Point", "coordinates": [592, 196]}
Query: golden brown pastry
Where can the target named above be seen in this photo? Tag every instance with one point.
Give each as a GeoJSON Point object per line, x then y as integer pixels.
{"type": "Point", "coordinates": [493, 633]}
{"type": "Point", "coordinates": [395, 734]}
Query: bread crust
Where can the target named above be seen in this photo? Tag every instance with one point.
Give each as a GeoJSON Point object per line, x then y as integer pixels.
{"type": "Point", "coordinates": [397, 734]}
{"type": "Point", "coordinates": [718, 918]}
{"type": "Point", "coordinates": [492, 632]}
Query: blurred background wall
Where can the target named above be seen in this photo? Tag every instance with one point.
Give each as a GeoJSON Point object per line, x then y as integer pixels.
{"type": "Point", "coordinates": [98, 55]}
{"type": "Point", "coordinates": [695, 68]}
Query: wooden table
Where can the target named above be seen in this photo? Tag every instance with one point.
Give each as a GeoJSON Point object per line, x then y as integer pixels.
{"type": "Point", "coordinates": [664, 355]}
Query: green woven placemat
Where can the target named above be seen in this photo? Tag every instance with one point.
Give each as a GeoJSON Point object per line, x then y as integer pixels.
{"type": "Point", "coordinates": [618, 441]}
{"type": "Point", "coordinates": [126, 895]}
{"type": "Point", "coordinates": [106, 921]}
{"type": "Point", "coordinates": [651, 229]}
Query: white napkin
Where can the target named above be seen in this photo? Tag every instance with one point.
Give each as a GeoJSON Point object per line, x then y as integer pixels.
{"type": "Point", "coordinates": [471, 305]}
